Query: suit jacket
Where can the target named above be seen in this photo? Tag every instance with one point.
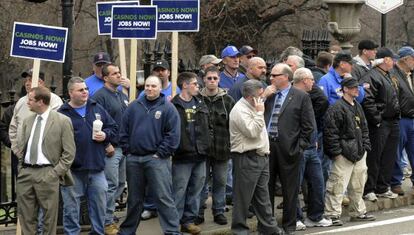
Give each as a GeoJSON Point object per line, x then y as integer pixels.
{"type": "Point", "coordinates": [58, 144]}
{"type": "Point", "coordinates": [296, 122]}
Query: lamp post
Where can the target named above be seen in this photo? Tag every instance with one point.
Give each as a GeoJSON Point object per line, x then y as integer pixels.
{"type": "Point", "coordinates": [344, 20]}
{"type": "Point", "coordinates": [67, 21]}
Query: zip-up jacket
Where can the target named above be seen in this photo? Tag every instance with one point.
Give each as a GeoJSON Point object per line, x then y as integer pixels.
{"type": "Point", "coordinates": [188, 152]}
{"type": "Point", "coordinates": [90, 154]}
{"type": "Point", "coordinates": [150, 127]}
{"type": "Point", "coordinates": [405, 94]}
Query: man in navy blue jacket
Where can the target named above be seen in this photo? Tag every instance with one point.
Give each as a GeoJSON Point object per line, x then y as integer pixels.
{"type": "Point", "coordinates": [150, 133]}
{"type": "Point", "coordinates": [89, 164]}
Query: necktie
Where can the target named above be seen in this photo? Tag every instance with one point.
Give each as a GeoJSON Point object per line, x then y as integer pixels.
{"type": "Point", "coordinates": [35, 141]}
{"type": "Point", "coordinates": [273, 131]}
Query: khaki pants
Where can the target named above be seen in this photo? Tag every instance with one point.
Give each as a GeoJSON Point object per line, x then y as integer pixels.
{"type": "Point", "coordinates": [346, 175]}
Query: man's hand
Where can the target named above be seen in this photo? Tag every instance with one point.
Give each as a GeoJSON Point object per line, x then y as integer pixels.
{"type": "Point", "coordinates": [125, 82]}
{"type": "Point", "coordinates": [100, 136]}
{"type": "Point", "coordinates": [268, 91]}
{"type": "Point", "coordinates": [258, 104]}
{"type": "Point", "coordinates": [110, 150]}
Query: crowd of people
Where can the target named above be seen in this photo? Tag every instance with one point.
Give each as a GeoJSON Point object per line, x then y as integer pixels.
{"type": "Point", "coordinates": [338, 129]}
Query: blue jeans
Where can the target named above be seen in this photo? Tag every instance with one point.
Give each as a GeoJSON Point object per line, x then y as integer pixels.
{"type": "Point", "coordinates": [219, 174]}
{"type": "Point", "coordinates": [188, 181]}
{"type": "Point", "coordinates": [143, 171]}
{"type": "Point", "coordinates": [116, 177]}
{"type": "Point", "coordinates": [311, 170]}
{"type": "Point", "coordinates": [229, 184]}
{"type": "Point", "coordinates": [94, 186]}
{"type": "Point", "coordinates": [149, 201]}
{"type": "Point", "coordinates": [326, 162]}
{"type": "Point", "coordinates": [406, 142]}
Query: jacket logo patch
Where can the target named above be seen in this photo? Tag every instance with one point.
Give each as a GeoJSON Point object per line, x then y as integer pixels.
{"type": "Point", "coordinates": [157, 114]}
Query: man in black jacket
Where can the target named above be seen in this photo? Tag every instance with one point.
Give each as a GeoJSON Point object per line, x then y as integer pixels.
{"type": "Point", "coordinates": [402, 71]}
{"type": "Point", "coordinates": [382, 111]}
{"type": "Point", "coordinates": [346, 142]}
{"type": "Point", "coordinates": [189, 161]}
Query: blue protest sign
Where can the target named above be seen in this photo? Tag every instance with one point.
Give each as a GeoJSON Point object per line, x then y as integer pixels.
{"type": "Point", "coordinates": [138, 22]}
{"type": "Point", "coordinates": [104, 14]}
{"type": "Point", "coordinates": [178, 15]}
{"type": "Point", "coordinates": [36, 41]}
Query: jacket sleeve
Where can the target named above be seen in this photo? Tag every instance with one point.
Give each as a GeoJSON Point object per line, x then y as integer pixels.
{"type": "Point", "coordinates": [370, 106]}
{"type": "Point", "coordinates": [13, 131]}
{"type": "Point", "coordinates": [307, 123]}
{"type": "Point", "coordinates": [124, 132]}
{"type": "Point", "coordinates": [324, 86]}
{"type": "Point", "coordinates": [365, 132]}
{"type": "Point", "coordinates": [331, 139]}
{"type": "Point", "coordinates": [109, 126]}
{"type": "Point", "coordinates": [171, 133]}
{"type": "Point", "coordinates": [68, 147]}
{"type": "Point", "coordinates": [319, 102]}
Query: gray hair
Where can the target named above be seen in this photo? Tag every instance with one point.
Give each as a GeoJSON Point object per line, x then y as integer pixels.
{"type": "Point", "coordinates": [300, 74]}
{"type": "Point", "coordinates": [290, 51]}
{"type": "Point", "coordinates": [285, 69]}
{"type": "Point", "coordinates": [300, 63]}
{"type": "Point", "coordinates": [74, 80]}
{"type": "Point", "coordinates": [153, 76]}
{"type": "Point", "coordinates": [250, 87]}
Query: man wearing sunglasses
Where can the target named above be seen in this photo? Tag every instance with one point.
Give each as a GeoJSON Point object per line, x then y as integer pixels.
{"type": "Point", "coordinates": [219, 105]}
{"type": "Point", "coordinates": [246, 53]}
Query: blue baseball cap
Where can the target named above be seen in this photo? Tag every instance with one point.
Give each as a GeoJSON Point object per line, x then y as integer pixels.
{"type": "Point", "coordinates": [229, 51]}
{"type": "Point", "coordinates": [405, 51]}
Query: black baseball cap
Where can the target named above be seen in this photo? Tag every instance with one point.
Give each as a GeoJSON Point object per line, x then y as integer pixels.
{"type": "Point", "coordinates": [161, 64]}
{"type": "Point", "coordinates": [102, 58]}
{"type": "Point", "coordinates": [29, 72]}
{"type": "Point", "coordinates": [367, 45]}
{"type": "Point", "coordinates": [246, 49]}
{"type": "Point", "coordinates": [386, 52]}
{"type": "Point", "coordinates": [349, 82]}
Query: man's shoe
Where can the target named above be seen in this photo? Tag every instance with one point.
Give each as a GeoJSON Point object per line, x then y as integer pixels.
{"type": "Point", "coordinates": [147, 214]}
{"type": "Point", "coordinates": [336, 221]}
{"type": "Point", "coordinates": [370, 197]}
{"type": "Point", "coordinates": [388, 194]}
{"type": "Point", "coordinates": [300, 226]}
{"type": "Point", "coordinates": [190, 228]}
{"type": "Point", "coordinates": [111, 229]}
{"type": "Point", "coordinates": [220, 219]}
{"type": "Point", "coordinates": [324, 222]}
{"type": "Point", "coordinates": [398, 190]}
{"type": "Point", "coordinates": [199, 220]}
{"type": "Point", "coordinates": [364, 217]}
{"type": "Point", "coordinates": [345, 201]}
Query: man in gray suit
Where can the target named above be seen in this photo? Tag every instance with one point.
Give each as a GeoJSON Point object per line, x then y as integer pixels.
{"type": "Point", "coordinates": [46, 149]}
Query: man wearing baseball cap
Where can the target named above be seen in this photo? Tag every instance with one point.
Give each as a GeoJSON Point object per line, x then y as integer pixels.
{"type": "Point", "coordinates": [382, 111]}
{"type": "Point", "coordinates": [402, 70]}
{"type": "Point", "coordinates": [246, 52]}
{"type": "Point", "coordinates": [231, 61]}
{"type": "Point", "coordinates": [363, 61]}
{"type": "Point", "coordinates": [95, 81]}
{"type": "Point", "coordinates": [206, 61]}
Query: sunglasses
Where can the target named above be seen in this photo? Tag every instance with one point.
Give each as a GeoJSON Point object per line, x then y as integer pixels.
{"type": "Point", "coordinates": [276, 75]}
{"type": "Point", "coordinates": [212, 78]}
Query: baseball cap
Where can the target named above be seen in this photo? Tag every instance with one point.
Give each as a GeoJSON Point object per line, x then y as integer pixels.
{"type": "Point", "coordinates": [29, 72]}
{"type": "Point", "coordinates": [349, 82]}
{"type": "Point", "coordinates": [161, 64]}
{"type": "Point", "coordinates": [343, 56]}
{"type": "Point", "coordinates": [386, 52]}
{"type": "Point", "coordinates": [405, 51]}
{"type": "Point", "coordinates": [229, 51]}
{"type": "Point", "coordinates": [207, 59]}
{"type": "Point", "coordinates": [367, 45]}
{"type": "Point", "coordinates": [246, 49]}
{"type": "Point", "coordinates": [102, 57]}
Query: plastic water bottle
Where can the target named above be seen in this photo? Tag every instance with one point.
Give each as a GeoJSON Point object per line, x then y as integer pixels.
{"type": "Point", "coordinates": [97, 125]}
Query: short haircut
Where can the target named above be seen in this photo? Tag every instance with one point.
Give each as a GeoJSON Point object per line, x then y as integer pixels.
{"type": "Point", "coordinates": [300, 63]}
{"type": "Point", "coordinates": [41, 93]}
{"type": "Point", "coordinates": [105, 69]}
{"type": "Point", "coordinates": [212, 69]}
{"type": "Point", "coordinates": [300, 74]}
{"type": "Point", "coordinates": [74, 80]}
{"type": "Point", "coordinates": [324, 59]}
{"type": "Point", "coordinates": [185, 77]}
{"type": "Point", "coordinates": [290, 51]}
{"type": "Point", "coordinates": [250, 87]}
{"type": "Point", "coordinates": [286, 70]}
{"type": "Point", "coordinates": [153, 76]}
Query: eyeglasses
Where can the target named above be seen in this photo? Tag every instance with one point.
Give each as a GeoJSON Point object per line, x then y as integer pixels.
{"type": "Point", "coordinates": [250, 56]}
{"type": "Point", "coordinates": [276, 75]}
{"type": "Point", "coordinates": [212, 78]}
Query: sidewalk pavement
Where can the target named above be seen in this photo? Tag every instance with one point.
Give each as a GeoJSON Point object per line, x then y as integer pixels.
{"type": "Point", "coordinates": [152, 227]}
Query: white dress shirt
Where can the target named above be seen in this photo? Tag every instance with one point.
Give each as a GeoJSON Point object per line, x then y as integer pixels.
{"type": "Point", "coordinates": [41, 159]}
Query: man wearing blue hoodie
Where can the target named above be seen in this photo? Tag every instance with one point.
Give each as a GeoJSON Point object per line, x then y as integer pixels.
{"type": "Point", "coordinates": [89, 164]}
{"type": "Point", "coordinates": [150, 133]}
